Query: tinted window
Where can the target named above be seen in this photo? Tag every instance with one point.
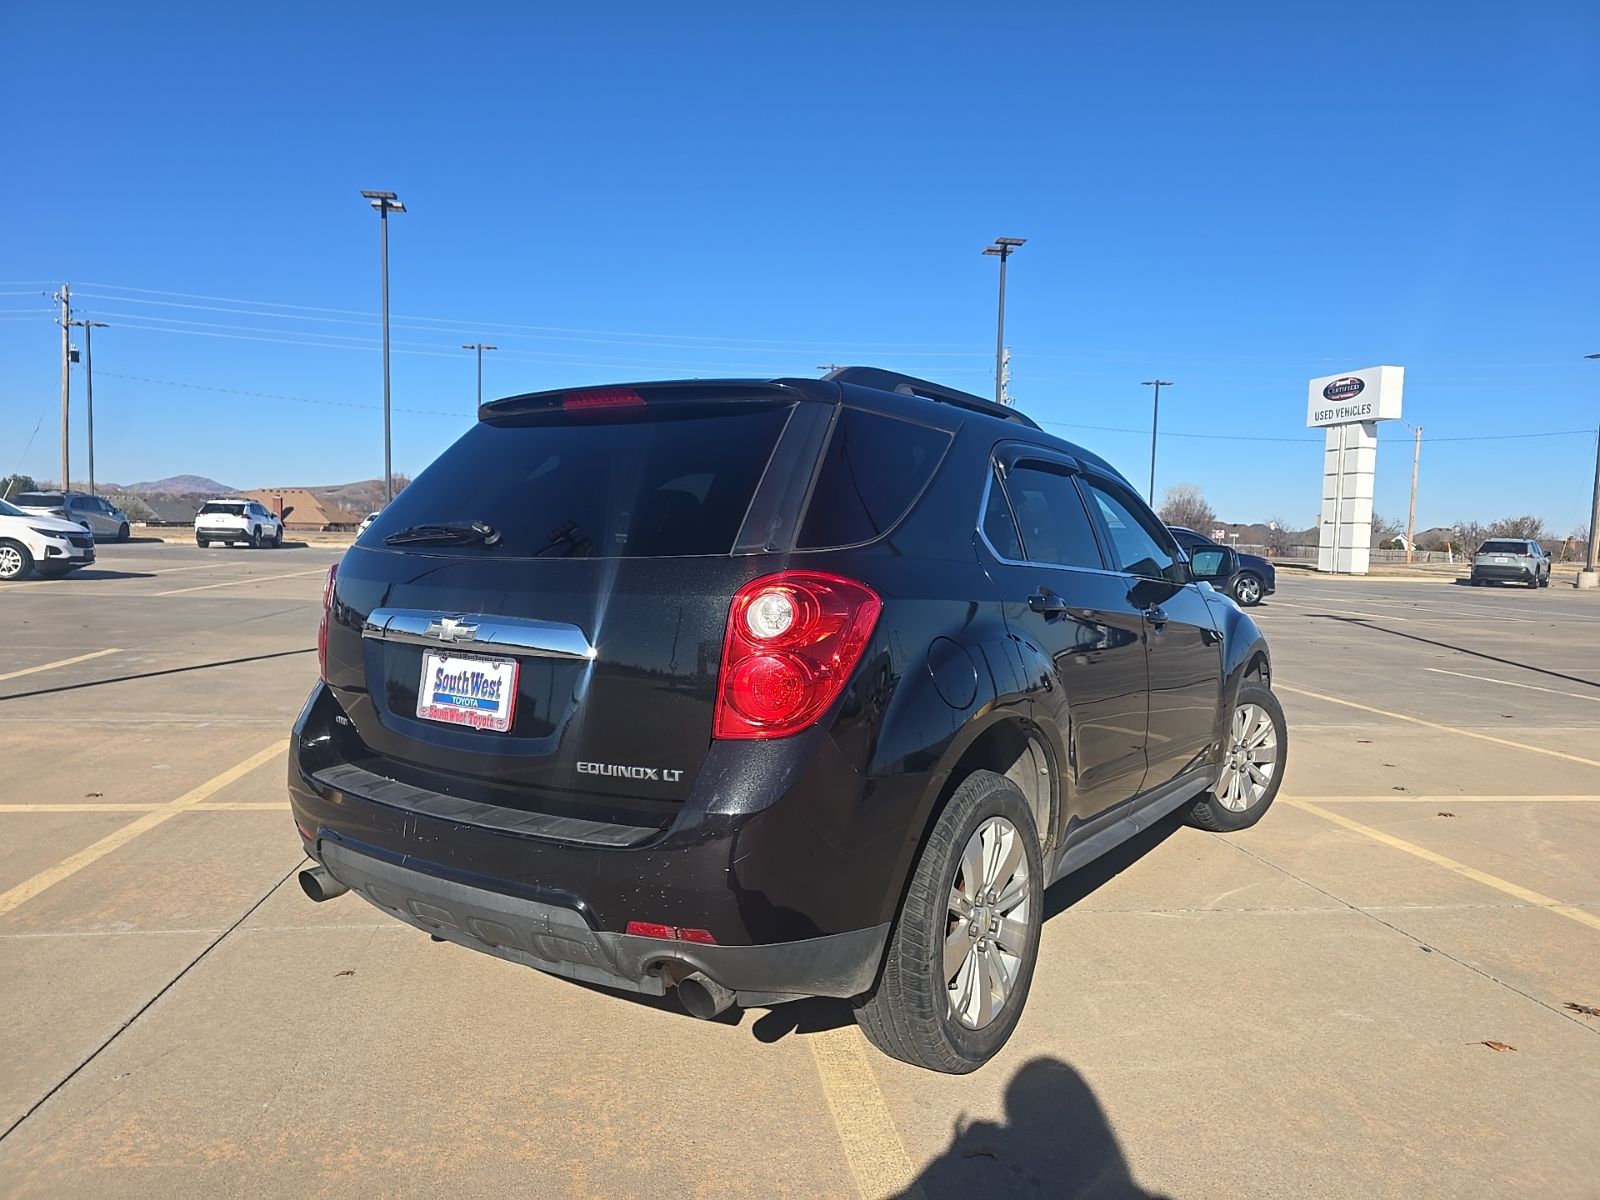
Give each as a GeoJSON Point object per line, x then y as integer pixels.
{"type": "Point", "coordinates": [40, 500]}
{"type": "Point", "coordinates": [873, 469]}
{"type": "Point", "coordinates": [1190, 541]}
{"type": "Point", "coordinates": [1051, 517]}
{"type": "Point", "coordinates": [1503, 547]}
{"type": "Point", "coordinates": [217, 506]}
{"type": "Point", "coordinates": [998, 526]}
{"type": "Point", "coordinates": [1140, 548]}
{"type": "Point", "coordinates": [672, 479]}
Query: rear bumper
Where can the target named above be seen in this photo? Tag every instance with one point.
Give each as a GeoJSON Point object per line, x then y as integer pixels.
{"type": "Point", "coordinates": [1518, 574]}
{"type": "Point", "coordinates": [222, 535]}
{"type": "Point", "coordinates": [793, 865]}
{"type": "Point", "coordinates": [556, 937]}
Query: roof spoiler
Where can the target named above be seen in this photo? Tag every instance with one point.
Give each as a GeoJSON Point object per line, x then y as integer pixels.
{"type": "Point", "coordinates": [640, 393]}
{"type": "Point", "coordinates": [910, 385]}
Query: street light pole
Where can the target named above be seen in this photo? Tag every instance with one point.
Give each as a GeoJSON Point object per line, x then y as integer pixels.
{"type": "Point", "coordinates": [1590, 575]}
{"type": "Point", "coordinates": [1155, 423]}
{"type": "Point", "coordinates": [385, 203]}
{"type": "Point", "coordinates": [88, 328]}
{"type": "Point", "coordinates": [1003, 248]}
{"type": "Point", "coordinates": [480, 347]}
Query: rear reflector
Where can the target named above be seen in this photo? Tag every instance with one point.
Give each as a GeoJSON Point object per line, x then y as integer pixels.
{"type": "Point", "coordinates": [602, 398]}
{"type": "Point", "coordinates": [670, 933]}
{"type": "Point", "coordinates": [322, 629]}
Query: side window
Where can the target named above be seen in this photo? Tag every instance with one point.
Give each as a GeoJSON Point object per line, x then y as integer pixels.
{"type": "Point", "coordinates": [1136, 534]}
{"type": "Point", "coordinates": [998, 526]}
{"type": "Point", "coordinates": [875, 466]}
{"type": "Point", "coordinates": [1051, 517]}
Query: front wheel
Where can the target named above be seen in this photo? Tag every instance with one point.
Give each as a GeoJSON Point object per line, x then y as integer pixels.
{"type": "Point", "coordinates": [1545, 581]}
{"type": "Point", "coordinates": [1247, 589]}
{"type": "Point", "coordinates": [122, 532]}
{"type": "Point", "coordinates": [15, 561]}
{"type": "Point", "coordinates": [960, 960]}
{"type": "Point", "coordinates": [1252, 764]}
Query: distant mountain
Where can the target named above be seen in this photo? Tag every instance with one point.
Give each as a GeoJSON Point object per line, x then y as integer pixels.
{"type": "Point", "coordinates": [182, 485]}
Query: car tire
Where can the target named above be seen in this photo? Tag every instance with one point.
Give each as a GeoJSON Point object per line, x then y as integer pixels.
{"type": "Point", "coordinates": [911, 1014]}
{"type": "Point", "coordinates": [1247, 589]}
{"type": "Point", "coordinates": [122, 532]}
{"type": "Point", "coordinates": [15, 560]}
{"type": "Point", "coordinates": [1544, 581]}
{"type": "Point", "coordinates": [202, 543]}
{"type": "Point", "coordinates": [255, 537]}
{"type": "Point", "coordinates": [277, 538]}
{"type": "Point", "coordinates": [1252, 767]}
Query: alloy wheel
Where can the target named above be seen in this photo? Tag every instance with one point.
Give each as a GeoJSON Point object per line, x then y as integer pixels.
{"type": "Point", "coordinates": [1248, 590]}
{"type": "Point", "coordinates": [988, 923]}
{"type": "Point", "coordinates": [10, 562]}
{"type": "Point", "coordinates": [1251, 759]}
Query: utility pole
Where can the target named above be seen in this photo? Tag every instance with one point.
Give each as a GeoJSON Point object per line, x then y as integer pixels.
{"type": "Point", "coordinates": [1003, 248]}
{"type": "Point", "coordinates": [1411, 520]}
{"type": "Point", "coordinates": [1155, 423]}
{"type": "Point", "coordinates": [1590, 575]}
{"type": "Point", "coordinates": [480, 347]}
{"type": "Point", "coordinates": [65, 298]}
{"type": "Point", "coordinates": [1005, 378]}
{"type": "Point", "coordinates": [88, 328]}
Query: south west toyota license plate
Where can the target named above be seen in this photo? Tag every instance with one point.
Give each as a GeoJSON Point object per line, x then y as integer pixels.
{"type": "Point", "coordinates": [467, 690]}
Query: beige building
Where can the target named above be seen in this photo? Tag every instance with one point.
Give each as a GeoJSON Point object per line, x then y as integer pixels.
{"type": "Point", "coordinates": [307, 513]}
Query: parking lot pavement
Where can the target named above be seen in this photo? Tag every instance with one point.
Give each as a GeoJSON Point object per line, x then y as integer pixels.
{"type": "Point", "coordinates": [1367, 994]}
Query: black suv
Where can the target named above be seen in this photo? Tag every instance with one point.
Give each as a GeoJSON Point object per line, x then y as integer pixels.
{"type": "Point", "coordinates": [770, 689]}
{"type": "Point", "coordinates": [1253, 579]}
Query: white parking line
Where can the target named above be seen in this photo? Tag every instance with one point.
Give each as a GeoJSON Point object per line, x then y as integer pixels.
{"type": "Point", "coordinates": [1422, 606]}
{"type": "Point", "coordinates": [1532, 687]}
{"type": "Point", "coordinates": [206, 587]}
{"type": "Point", "coordinates": [65, 662]}
{"type": "Point", "coordinates": [1348, 612]}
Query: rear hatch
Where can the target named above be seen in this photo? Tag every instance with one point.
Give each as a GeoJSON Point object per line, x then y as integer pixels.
{"type": "Point", "coordinates": [536, 622]}
{"type": "Point", "coordinates": [225, 516]}
{"type": "Point", "coordinates": [1503, 554]}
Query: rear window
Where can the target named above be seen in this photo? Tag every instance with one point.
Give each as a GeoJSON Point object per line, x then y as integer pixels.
{"type": "Point", "coordinates": [671, 480]}
{"type": "Point", "coordinates": [213, 506]}
{"type": "Point", "coordinates": [875, 466]}
{"type": "Point", "coordinates": [40, 499]}
{"type": "Point", "coordinates": [1503, 548]}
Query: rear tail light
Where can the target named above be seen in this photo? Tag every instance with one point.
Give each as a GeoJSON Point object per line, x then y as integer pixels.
{"type": "Point", "coordinates": [793, 638]}
{"type": "Point", "coordinates": [322, 629]}
{"type": "Point", "coordinates": [670, 933]}
{"type": "Point", "coordinates": [602, 398]}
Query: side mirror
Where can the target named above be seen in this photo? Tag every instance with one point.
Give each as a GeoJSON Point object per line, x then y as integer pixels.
{"type": "Point", "coordinates": [1213, 564]}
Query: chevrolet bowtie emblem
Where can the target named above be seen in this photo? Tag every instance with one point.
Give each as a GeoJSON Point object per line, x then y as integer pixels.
{"type": "Point", "coordinates": [449, 629]}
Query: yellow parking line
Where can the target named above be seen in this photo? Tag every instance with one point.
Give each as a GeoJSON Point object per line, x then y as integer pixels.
{"type": "Point", "coordinates": [1527, 895]}
{"type": "Point", "coordinates": [65, 662]}
{"type": "Point", "coordinates": [1469, 733]}
{"type": "Point", "coordinates": [1532, 687]}
{"type": "Point", "coordinates": [29, 888]}
{"type": "Point", "coordinates": [872, 1148]}
{"type": "Point", "coordinates": [214, 806]}
{"type": "Point", "coordinates": [206, 587]}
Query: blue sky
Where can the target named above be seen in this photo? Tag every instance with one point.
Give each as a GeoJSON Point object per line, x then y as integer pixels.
{"type": "Point", "coordinates": [1236, 197]}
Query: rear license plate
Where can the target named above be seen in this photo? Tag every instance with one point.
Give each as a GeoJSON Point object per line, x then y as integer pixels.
{"type": "Point", "coordinates": [463, 689]}
{"type": "Point", "coordinates": [1502, 562]}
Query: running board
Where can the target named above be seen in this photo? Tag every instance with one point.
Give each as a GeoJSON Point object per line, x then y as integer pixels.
{"type": "Point", "coordinates": [1150, 809]}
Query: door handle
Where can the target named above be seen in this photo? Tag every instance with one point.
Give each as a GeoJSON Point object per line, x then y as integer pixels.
{"type": "Point", "coordinates": [1156, 615]}
{"type": "Point", "coordinates": [1047, 603]}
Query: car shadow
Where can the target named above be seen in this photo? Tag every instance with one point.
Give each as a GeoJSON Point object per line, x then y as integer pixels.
{"type": "Point", "coordinates": [93, 573]}
{"type": "Point", "coordinates": [1366, 623]}
{"type": "Point", "coordinates": [1055, 1141]}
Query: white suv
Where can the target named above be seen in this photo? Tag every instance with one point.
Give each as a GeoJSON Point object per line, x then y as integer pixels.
{"type": "Point", "coordinates": [48, 545]}
{"type": "Point", "coordinates": [230, 521]}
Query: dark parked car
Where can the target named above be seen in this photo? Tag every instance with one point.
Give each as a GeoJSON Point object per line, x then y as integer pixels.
{"type": "Point", "coordinates": [1254, 579]}
{"type": "Point", "coordinates": [770, 689]}
{"type": "Point", "coordinates": [1511, 560]}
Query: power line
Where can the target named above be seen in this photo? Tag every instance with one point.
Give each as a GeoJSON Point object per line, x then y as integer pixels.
{"type": "Point", "coordinates": [210, 387]}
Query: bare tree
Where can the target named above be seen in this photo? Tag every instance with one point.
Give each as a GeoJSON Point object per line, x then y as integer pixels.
{"type": "Point", "coordinates": [1384, 529]}
{"type": "Point", "coordinates": [1526, 526]}
{"type": "Point", "coordinates": [1469, 535]}
{"type": "Point", "coordinates": [1185, 504]}
{"type": "Point", "coordinates": [1279, 536]}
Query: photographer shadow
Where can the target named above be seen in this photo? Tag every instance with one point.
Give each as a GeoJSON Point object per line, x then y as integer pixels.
{"type": "Point", "coordinates": [1055, 1141]}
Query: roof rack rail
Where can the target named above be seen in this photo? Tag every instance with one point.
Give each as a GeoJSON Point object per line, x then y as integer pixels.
{"type": "Point", "coordinates": [910, 385]}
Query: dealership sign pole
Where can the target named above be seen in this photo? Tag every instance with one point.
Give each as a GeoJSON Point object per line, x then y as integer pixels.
{"type": "Point", "coordinates": [1349, 408]}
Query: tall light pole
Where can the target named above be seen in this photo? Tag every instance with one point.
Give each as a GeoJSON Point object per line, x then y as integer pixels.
{"type": "Point", "coordinates": [1155, 423]}
{"type": "Point", "coordinates": [1590, 576]}
{"type": "Point", "coordinates": [385, 203]}
{"type": "Point", "coordinates": [480, 347]}
{"type": "Point", "coordinates": [1003, 248]}
{"type": "Point", "coordinates": [88, 328]}
{"type": "Point", "coordinates": [64, 298]}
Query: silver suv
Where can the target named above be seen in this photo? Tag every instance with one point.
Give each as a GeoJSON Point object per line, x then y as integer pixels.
{"type": "Point", "coordinates": [98, 515]}
{"type": "Point", "coordinates": [1511, 560]}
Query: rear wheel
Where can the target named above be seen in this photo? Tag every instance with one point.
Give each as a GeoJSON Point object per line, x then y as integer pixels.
{"type": "Point", "coordinates": [15, 561]}
{"type": "Point", "coordinates": [960, 960]}
{"type": "Point", "coordinates": [255, 537]}
{"type": "Point", "coordinates": [202, 543]}
{"type": "Point", "coordinates": [1252, 764]}
{"type": "Point", "coordinates": [1247, 589]}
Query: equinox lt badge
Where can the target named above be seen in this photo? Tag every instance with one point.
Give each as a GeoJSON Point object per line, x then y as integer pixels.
{"type": "Point", "coordinates": [618, 769]}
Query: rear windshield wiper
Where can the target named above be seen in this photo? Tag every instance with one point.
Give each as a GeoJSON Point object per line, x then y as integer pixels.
{"type": "Point", "coordinates": [455, 535]}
